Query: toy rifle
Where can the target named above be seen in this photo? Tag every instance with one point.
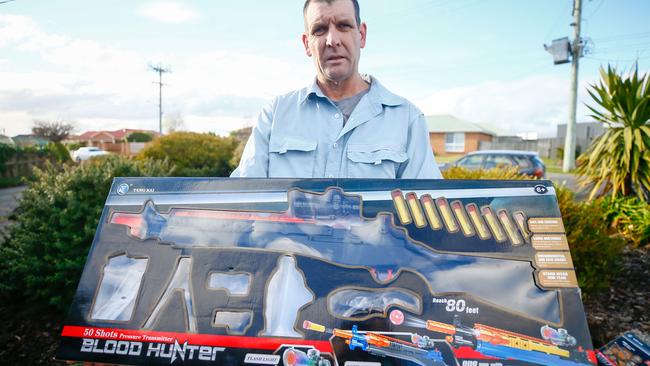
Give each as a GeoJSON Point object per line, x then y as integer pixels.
{"type": "Point", "coordinates": [329, 226]}
{"type": "Point", "coordinates": [381, 345]}
{"type": "Point", "coordinates": [503, 344]}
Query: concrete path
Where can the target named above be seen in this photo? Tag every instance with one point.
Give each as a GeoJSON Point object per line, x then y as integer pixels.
{"type": "Point", "coordinates": [8, 201]}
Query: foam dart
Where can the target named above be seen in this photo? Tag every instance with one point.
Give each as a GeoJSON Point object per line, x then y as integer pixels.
{"type": "Point", "coordinates": [475, 216]}
{"type": "Point", "coordinates": [313, 326]}
{"type": "Point", "coordinates": [447, 215]}
{"type": "Point", "coordinates": [430, 211]}
{"type": "Point", "coordinates": [401, 208]}
{"type": "Point", "coordinates": [444, 328]}
{"type": "Point", "coordinates": [493, 223]}
{"type": "Point", "coordinates": [520, 219]}
{"type": "Point", "coordinates": [461, 216]}
{"type": "Point", "coordinates": [513, 235]}
{"type": "Point", "coordinates": [416, 211]}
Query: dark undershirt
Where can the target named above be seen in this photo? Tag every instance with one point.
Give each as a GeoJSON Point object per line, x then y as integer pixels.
{"type": "Point", "coordinates": [347, 105]}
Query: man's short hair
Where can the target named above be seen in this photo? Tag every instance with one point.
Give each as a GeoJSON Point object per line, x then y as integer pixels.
{"type": "Point", "coordinates": [357, 12]}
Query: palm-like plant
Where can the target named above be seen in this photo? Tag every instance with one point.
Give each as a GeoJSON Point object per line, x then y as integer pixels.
{"type": "Point", "coordinates": [618, 162]}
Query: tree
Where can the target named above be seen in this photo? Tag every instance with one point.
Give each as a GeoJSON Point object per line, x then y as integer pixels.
{"type": "Point", "coordinates": [241, 135]}
{"type": "Point", "coordinates": [55, 131]}
{"type": "Point", "coordinates": [193, 154]}
{"type": "Point", "coordinates": [139, 137]}
{"type": "Point", "coordinates": [618, 162]}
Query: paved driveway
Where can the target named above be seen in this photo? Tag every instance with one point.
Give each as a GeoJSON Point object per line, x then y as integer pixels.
{"type": "Point", "coordinates": [8, 201]}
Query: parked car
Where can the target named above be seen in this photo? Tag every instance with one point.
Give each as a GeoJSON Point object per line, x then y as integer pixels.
{"type": "Point", "coordinates": [85, 153]}
{"type": "Point", "coordinates": [528, 162]}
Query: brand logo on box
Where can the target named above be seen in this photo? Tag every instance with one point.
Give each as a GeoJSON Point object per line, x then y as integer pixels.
{"type": "Point", "coordinates": [262, 359]}
{"type": "Point", "coordinates": [122, 189]}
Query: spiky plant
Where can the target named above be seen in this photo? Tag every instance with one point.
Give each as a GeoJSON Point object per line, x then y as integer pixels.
{"type": "Point", "coordinates": [618, 162]}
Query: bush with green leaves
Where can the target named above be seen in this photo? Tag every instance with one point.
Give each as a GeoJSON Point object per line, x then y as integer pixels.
{"type": "Point", "coordinates": [139, 137]}
{"type": "Point", "coordinates": [505, 172]}
{"type": "Point", "coordinates": [194, 154]}
{"type": "Point", "coordinates": [618, 162]}
{"type": "Point", "coordinates": [59, 152]}
{"type": "Point", "coordinates": [630, 216]}
{"type": "Point", "coordinates": [56, 219]}
{"type": "Point", "coordinates": [595, 251]}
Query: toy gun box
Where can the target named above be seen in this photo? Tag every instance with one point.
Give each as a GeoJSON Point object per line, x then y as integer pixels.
{"type": "Point", "coordinates": [629, 349]}
{"type": "Point", "coordinates": [329, 272]}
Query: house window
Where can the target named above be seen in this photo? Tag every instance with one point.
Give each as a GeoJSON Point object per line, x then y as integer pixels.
{"type": "Point", "coordinates": [455, 142]}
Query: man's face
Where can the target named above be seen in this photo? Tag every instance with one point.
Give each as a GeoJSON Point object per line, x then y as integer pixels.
{"type": "Point", "coordinates": [333, 38]}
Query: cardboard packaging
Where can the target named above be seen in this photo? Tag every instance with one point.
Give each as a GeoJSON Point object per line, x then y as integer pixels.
{"type": "Point", "coordinates": [329, 272]}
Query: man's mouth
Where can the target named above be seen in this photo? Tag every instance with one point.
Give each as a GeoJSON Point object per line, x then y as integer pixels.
{"type": "Point", "coordinates": [335, 58]}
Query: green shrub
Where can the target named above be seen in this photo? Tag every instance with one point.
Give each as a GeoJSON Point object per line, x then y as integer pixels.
{"type": "Point", "coordinates": [508, 173]}
{"type": "Point", "coordinates": [139, 137]}
{"type": "Point", "coordinates": [6, 153]}
{"type": "Point", "coordinates": [11, 182]}
{"type": "Point", "coordinates": [56, 219]}
{"type": "Point", "coordinates": [594, 251]}
{"type": "Point", "coordinates": [630, 216]}
{"type": "Point", "coordinates": [59, 152]}
{"type": "Point", "coordinates": [194, 154]}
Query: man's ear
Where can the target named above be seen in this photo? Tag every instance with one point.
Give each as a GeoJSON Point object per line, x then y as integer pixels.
{"type": "Point", "coordinates": [363, 29]}
{"type": "Point", "coordinates": [305, 42]}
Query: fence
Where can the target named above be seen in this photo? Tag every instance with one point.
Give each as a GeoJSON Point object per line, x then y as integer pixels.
{"type": "Point", "coordinates": [23, 165]}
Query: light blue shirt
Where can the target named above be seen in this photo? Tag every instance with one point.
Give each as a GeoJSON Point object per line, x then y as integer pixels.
{"type": "Point", "coordinates": [302, 135]}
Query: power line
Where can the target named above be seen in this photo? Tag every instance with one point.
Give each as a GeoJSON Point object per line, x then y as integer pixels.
{"type": "Point", "coordinates": [6, 1]}
{"type": "Point", "coordinates": [596, 10]}
{"type": "Point", "coordinates": [617, 60]}
{"type": "Point", "coordinates": [624, 36]}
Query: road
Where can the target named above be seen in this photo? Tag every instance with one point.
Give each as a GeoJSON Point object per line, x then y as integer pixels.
{"type": "Point", "coordinates": [8, 201]}
{"type": "Point", "coordinates": [570, 181]}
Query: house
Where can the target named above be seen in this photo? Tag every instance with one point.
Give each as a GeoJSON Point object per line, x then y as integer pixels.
{"type": "Point", "coordinates": [452, 136]}
{"type": "Point", "coordinates": [6, 140]}
{"type": "Point", "coordinates": [30, 141]}
{"type": "Point", "coordinates": [114, 141]}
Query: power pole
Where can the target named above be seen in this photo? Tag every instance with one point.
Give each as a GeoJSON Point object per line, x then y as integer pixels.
{"type": "Point", "coordinates": [160, 70]}
{"type": "Point", "coordinates": [569, 162]}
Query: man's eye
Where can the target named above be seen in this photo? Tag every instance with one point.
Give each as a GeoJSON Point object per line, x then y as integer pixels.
{"type": "Point", "coordinates": [318, 31]}
{"type": "Point", "coordinates": [344, 26]}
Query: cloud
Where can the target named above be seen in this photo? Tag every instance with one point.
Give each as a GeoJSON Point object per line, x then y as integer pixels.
{"type": "Point", "coordinates": [532, 104]}
{"type": "Point", "coordinates": [101, 86]}
{"type": "Point", "coordinates": [169, 12]}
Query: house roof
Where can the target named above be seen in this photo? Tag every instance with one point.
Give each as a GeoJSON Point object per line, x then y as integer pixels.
{"type": "Point", "coordinates": [117, 135]}
{"type": "Point", "coordinates": [443, 123]}
{"type": "Point", "coordinates": [29, 140]}
{"type": "Point", "coordinates": [6, 140]}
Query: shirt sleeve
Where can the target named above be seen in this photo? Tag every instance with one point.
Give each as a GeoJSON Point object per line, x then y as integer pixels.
{"type": "Point", "coordinates": [420, 164]}
{"type": "Point", "coordinates": [255, 158]}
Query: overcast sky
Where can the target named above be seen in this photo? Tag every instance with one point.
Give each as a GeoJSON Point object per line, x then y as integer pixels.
{"type": "Point", "coordinates": [87, 61]}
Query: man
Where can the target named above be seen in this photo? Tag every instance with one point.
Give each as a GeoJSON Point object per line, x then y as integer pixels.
{"type": "Point", "coordinates": [343, 125]}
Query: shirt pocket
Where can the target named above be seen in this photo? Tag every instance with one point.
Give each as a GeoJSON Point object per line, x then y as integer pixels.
{"type": "Point", "coordinates": [374, 160]}
{"type": "Point", "coordinates": [291, 157]}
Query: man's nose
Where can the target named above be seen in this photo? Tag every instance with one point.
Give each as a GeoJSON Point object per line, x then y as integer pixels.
{"type": "Point", "coordinates": [333, 37]}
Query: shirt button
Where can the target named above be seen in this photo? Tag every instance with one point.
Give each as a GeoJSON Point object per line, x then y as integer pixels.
{"type": "Point", "coordinates": [337, 115]}
{"type": "Point", "coordinates": [336, 146]}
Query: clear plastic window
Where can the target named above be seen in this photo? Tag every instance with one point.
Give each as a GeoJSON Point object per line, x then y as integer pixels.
{"type": "Point", "coordinates": [119, 288]}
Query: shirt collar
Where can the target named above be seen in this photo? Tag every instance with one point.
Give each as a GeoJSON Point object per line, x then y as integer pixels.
{"type": "Point", "coordinates": [377, 93]}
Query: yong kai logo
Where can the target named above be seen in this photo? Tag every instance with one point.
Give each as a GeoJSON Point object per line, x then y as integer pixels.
{"type": "Point", "coordinates": [122, 189]}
